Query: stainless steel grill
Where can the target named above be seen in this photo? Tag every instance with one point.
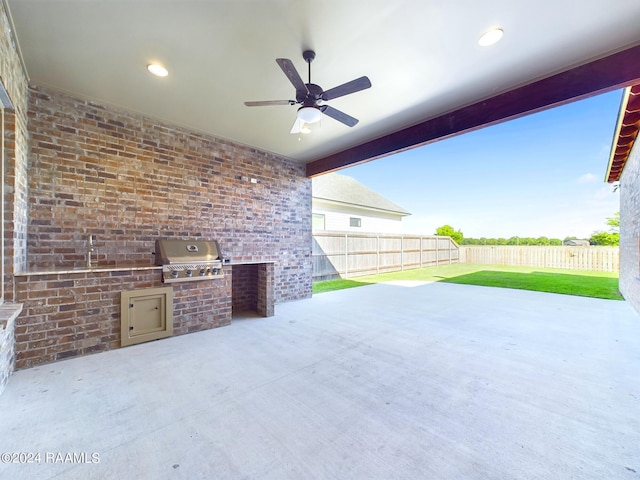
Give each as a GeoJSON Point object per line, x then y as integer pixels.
{"type": "Point", "coordinates": [189, 260]}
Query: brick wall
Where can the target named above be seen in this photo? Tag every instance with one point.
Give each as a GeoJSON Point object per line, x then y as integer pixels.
{"type": "Point", "coordinates": [14, 81]}
{"type": "Point", "coordinates": [630, 228]}
{"type": "Point", "coordinates": [130, 180]}
{"type": "Point", "coordinates": [265, 289]}
{"type": "Point", "coordinates": [202, 305]}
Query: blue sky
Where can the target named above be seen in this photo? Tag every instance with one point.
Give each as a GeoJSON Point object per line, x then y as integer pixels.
{"type": "Point", "coordinates": [540, 175]}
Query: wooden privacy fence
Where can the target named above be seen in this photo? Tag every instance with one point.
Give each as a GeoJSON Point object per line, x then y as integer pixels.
{"type": "Point", "coordinates": [344, 255]}
{"type": "Point", "coordinates": [572, 258]}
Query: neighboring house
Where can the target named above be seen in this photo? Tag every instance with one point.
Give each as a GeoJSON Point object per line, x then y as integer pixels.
{"type": "Point", "coordinates": [576, 243]}
{"type": "Point", "coordinates": [624, 167]}
{"type": "Point", "coordinates": [342, 203]}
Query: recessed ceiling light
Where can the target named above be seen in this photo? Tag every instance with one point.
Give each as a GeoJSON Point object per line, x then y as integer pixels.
{"type": "Point", "coordinates": [157, 70]}
{"type": "Point", "coordinates": [491, 37]}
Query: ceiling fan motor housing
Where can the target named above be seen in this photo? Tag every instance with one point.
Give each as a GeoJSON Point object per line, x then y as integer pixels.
{"type": "Point", "coordinates": [308, 55]}
{"type": "Point", "coordinates": [310, 99]}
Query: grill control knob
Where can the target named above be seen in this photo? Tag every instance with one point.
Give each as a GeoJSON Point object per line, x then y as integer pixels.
{"type": "Point", "coordinates": [174, 273]}
{"type": "Point", "coordinates": [189, 273]}
{"type": "Point", "coordinates": [202, 272]}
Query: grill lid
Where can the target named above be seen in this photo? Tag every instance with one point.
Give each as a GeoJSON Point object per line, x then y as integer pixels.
{"type": "Point", "coordinates": [170, 252]}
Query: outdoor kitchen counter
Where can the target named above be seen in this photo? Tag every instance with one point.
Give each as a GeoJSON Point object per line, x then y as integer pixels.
{"type": "Point", "coordinates": [67, 270]}
{"type": "Point", "coordinates": [118, 268]}
{"type": "Point", "coordinates": [252, 284]}
{"type": "Point", "coordinates": [249, 262]}
{"type": "Point", "coordinates": [70, 312]}
{"type": "Point", "coordinates": [76, 311]}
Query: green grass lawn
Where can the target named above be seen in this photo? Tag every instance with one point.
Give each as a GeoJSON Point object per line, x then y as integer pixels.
{"type": "Point", "coordinates": [569, 282]}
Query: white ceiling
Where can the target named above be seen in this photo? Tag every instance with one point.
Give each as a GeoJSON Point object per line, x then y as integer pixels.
{"type": "Point", "coordinates": [422, 57]}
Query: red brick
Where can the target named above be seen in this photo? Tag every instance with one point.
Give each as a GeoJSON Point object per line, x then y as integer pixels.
{"type": "Point", "coordinates": [129, 180]}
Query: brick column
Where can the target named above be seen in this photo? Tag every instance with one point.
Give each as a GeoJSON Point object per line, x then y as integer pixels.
{"type": "Point", "coordinates": [265, 293]}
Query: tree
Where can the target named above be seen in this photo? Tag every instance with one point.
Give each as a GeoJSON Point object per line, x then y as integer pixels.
{"type": "Point", "coordinates": [448, 231]}
{"type": "Point", "coordinates": [605, 238]}
{"type": "Point", "coordinates": [610, 238]}
{"type": "Point", "coordinates": [543, 241]}
{"type": "Point", "coordinates": [515, 241]}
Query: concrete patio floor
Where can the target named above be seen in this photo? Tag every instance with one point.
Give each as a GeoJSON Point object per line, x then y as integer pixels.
{"type": "Point", "coordinates": [434, 381]}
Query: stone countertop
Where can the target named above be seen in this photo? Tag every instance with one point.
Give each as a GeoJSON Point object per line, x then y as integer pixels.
{"type": "Point", "coordinates": [248, 262]}
{"type": "Point", "coordinates": [69, 270]}
{"type": "Point", "coordinates": [9, 312]}
{"type": "Point", "coordinates": [120, 268]}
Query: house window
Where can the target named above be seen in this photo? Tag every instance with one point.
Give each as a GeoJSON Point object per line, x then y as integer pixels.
{"type": "Point", "coordinates": [317, 222]}
{"type": "Point", "coordinates": [355, 222]}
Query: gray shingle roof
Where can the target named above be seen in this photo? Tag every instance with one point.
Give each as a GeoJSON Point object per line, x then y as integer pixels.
{"type": "Point", "coordinates": [343, 189]}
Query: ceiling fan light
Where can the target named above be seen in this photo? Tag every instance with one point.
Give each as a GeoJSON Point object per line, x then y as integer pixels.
{"type": "Point", "coordinates": [309, 114]}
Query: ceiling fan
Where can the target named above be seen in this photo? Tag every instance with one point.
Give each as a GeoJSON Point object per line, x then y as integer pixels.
{"type": "Point", "coordinates": [311, 96]}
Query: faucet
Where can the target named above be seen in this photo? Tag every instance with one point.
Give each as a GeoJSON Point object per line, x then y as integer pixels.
{"type": "Point", "coordinates": [91, 247]}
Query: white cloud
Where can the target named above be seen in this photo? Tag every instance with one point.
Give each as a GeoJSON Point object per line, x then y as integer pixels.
{"type": "Point", "coordinates": [587, 178]}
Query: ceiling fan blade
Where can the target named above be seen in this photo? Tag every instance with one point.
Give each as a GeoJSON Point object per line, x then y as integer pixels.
{"type": "Point", "coordinates": [353, 86]}
{"type": "Point", "coordinates": [292, 74]}
{"type": "Point", "coordinates": [348, 120]}
{"type": "Point", "coordinates": [270, 102]}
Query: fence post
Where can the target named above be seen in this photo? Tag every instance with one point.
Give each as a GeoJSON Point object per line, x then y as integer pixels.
{"type": "Point", "coordinates": [346, 255]}
{"type": "Point", "coordinates": [450, 244]}
{"type": "Point", "coordinates": [378, 254]}
{"type": "Point", "coordinates": [421, 252]}
{"type": "Point", "coordinates": [437, 252]}
{"type": "Point", "coordinates": [402, 253]}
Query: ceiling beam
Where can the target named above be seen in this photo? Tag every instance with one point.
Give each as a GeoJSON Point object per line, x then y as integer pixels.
{"type": "Point", "coordinates": [615, 71]}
